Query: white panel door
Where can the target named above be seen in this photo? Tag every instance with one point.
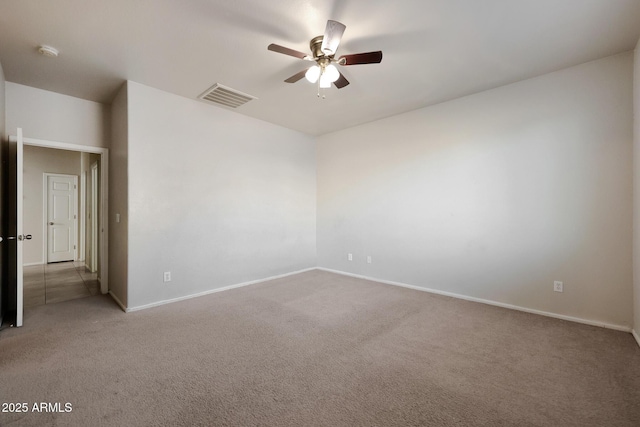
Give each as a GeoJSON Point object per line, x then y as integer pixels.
{"type": "Point", "coordinates": [19, 223]}
{"type": "Point", "coordinates": [61, 218]}
{"type": "Point", "coordinates": [16, 202]}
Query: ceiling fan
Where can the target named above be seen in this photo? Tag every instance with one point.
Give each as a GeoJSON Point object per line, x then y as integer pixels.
{"type": "Point", "coordinates": [323, 50]}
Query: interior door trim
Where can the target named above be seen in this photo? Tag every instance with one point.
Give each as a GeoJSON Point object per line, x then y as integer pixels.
{"type": "Point", "coordinates": [104, 196]}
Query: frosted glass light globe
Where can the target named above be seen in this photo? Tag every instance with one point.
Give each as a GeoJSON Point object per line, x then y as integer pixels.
{"type": "Point", "coordinates": [325, 83]}
{"type": "Point", "coordinates": [312, 74]}
{"type": "Point", "coordinates": [331, 72]}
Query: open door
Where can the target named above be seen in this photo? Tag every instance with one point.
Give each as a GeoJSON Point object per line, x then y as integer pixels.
{"type": "Point", "coordinates": [19, 225]}
{"type": "Point", "coordinates": [19, 222]}
{"type": "Point", "coordinates": [15, 238]}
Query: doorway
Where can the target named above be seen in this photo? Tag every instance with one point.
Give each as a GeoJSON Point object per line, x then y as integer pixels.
{"type": "Point", "coordinates": [24, 239]}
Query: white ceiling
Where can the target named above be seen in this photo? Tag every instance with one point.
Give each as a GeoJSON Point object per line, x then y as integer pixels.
{"type": "Point", "coordinates": [434, 50]}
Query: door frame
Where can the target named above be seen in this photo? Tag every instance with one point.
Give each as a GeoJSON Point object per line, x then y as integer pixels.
{"type": "Point", "coordinates": [104, 198]}
{"type": "Point", "coordinates": [81, 215]}
{"type": "Point", "coordinates": [95, 177]}
{"type": "Point", "coordinates": [45, 214]}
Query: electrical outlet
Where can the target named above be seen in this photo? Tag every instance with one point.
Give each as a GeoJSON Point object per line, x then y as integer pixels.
{"type": "Point", "coordinates": [558, 286]}
{"type": "Point", "coordinates": [368, 259]}
{"type": "Point", "coordinates": [167, 276]}
{"type": "Point", "coordinates": [350, 257]}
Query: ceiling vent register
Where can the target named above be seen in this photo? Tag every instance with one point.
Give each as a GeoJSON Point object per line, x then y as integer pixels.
{"type": "Point", "coordinates": [223, 95]}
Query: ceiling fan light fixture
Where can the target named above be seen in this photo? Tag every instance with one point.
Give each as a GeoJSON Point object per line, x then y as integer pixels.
{"type": "Point", "coordinates": [325, 83]}
{"type": "Point", "coordinates": [323, 49]}
{"type": "Point", "coordinates": [313, 74]}
{"type": "Point", "coordinates": [331, 72]}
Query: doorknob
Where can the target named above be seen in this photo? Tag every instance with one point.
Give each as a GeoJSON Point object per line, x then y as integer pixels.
{"type": "Point", "coordinates": [51, 223]}
{"type": "Point", "coordinates": [21, 237]}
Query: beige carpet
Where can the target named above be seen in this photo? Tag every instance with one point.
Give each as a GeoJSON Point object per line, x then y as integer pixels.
{"type": "Point", "coordinates": [316, 349]}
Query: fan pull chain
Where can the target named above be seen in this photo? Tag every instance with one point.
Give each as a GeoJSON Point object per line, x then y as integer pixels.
{"type": "Point", "coordinates": [320, 90]}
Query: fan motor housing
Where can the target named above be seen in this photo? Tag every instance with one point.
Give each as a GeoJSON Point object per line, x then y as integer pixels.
{"type": "Point", "coordinates": [316, 47]}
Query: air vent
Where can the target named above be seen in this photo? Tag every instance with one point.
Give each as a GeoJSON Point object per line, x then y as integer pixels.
{"type": "Point", "coordinates": [226, 96]}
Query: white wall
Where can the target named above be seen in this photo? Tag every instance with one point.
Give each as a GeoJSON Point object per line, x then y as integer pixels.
{"type": "Point", "coordinates": [636, 192]}
{"type": "Point", "coordinates": [215, 197]}
{"type": "Point", "coordinates": [37, 161]}
{"type": "Point", "coordinates": [118, 198]}
{"type": "Point", "coordinates": [48, 115]}
{"type": "Point", "coordinates": [495, 195]}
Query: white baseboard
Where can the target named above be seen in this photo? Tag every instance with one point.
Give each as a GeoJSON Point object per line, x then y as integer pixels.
{"type": "Point", "coordinates": [622, 328]}
{"type": "Point", "coordinates": [489, 302]}
{"type": "Point", "coordinates": [29, 264]}
{"type": "Point", "coordinates": [117, 300]}
{"type": "Point", "coordinates": [212, 291]}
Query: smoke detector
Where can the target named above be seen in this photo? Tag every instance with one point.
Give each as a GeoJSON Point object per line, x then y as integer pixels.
{"type": "Point", "coordinates": [48, 51]}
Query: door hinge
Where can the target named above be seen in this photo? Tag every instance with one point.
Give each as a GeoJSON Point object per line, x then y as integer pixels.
{"type": "Point", "coordinates": [74, 217]}
{"type": "Point", "coordinates": [74, 186]}
{"type": "Point", "coordinates": [74, 246]}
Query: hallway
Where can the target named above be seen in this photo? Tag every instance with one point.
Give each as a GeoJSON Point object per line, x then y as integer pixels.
{"type": "Point", "coordinates": [57, 282]}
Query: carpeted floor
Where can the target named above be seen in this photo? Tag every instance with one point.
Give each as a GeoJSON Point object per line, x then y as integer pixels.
{"type": "Point", "coordinates": [315, 349]}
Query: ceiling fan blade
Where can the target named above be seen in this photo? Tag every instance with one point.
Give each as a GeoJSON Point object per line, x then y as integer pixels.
{"type": "Point", "coordinates": [281, 49]}
{"type": "Point", "coordinates": [341, 82]}
{"type": "Point", "coordinates": [332, 36]}
{"type": "Point", "coordinates": [361, 58]}
{"type": "Point", "coordinates": [296, 76]}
